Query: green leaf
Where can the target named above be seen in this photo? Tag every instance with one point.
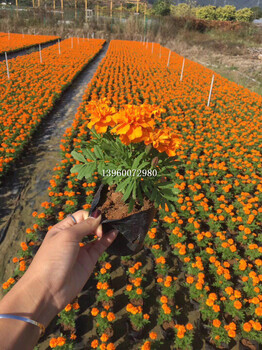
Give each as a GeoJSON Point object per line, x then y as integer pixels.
{"type": "Point", "coordinates": [137, 160]}
{"type": "Point", "coordinates": [123, 185]}
{"type": "Point", "coordinates": [131, 205]}
{"type": "Point", "coordinates": [88, 154]}
{"type": "Point", "coordinates": [128, 191]}
{"type": "Point", "coordinates": [78, 156]}
{"type": "Point", "coordinates": [98, 153]}
{"type": "Point", "coordinates": [76, 168]}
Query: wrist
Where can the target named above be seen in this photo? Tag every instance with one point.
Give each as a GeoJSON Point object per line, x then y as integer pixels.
{"type": "Point", "coordinates": [30, 299]}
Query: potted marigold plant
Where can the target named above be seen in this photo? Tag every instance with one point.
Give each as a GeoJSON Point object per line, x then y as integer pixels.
{"type": "Point", "coordinates": [134, 160]}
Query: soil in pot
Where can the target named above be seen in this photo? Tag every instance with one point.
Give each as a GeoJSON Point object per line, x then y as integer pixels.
{"type": "Point", "coordinates": [114, 208]}
{"type": "Point", "coordinates": [109, 331]}
{"type": "Point", "coordinates": [132, 227]}
{"type": "Point", "coordinates": [137, 302]}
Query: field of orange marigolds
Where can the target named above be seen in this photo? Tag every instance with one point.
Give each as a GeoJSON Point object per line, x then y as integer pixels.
{"type": "Point", "coordinates": [35, 84]}
{"type": "Point", "coordinates": [10, 42]}
{"type": "Point", "coordinates": [197, 282]}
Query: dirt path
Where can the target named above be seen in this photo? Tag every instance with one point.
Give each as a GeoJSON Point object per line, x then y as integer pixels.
{"type": "Point", "coordinates": [27, 50]}
{"type": "Point", "coordinates": [25, 188]}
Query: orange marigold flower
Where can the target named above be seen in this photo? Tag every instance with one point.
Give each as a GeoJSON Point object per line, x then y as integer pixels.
{"type": "Point", "coordinates": [216, 323]}
{"type": "Point", "coordinates": [247, 327]}
{"type": "Point", "coordinates": [61, 341]}
{"type": "Point", "coordinates": [111, 316]}
{"type": "Point", "coordinates": [146, 345]}
{"type": "Point", "coordinates": [94, 344]}
{"type": "Point", "coordinates": [68, 307]}
{"type": "Point", "coordinates": [53, 343]}
{"type": "Point", "coordinates": [237, 304]}
{"type": "Point", "coordinates": [94, 311]}
{"type": "Point", "coordinates": [189, 326]}
{"type": "Point", "coordinates": [104, 337]}
{"type": "Point", "coordinates": [76, 306]}
{"type": "Point", "coordinates": [110, 292]}
{"type": "Point", "coordinates": [153, 335]}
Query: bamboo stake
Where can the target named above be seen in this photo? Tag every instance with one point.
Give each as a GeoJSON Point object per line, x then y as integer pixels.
{"type": "Point", "coordinates": [168, 61]}
{"type": "Point", "coordinates": [54, 4]}
{"type": "Point", "coordinates": [210, 91]}
{"type": "Point", "coordinates": [182, 71]}
{"type": "Point", "coordinates": [7, 67]}
{"type": "Point", "coordinates": [62, 5]}
{"type": "Point", "coordinates": [111, 8]}
{"type": "Point", "coordinates": [86, 10]}
{"type": "Point", "coordinates": [137, 6]}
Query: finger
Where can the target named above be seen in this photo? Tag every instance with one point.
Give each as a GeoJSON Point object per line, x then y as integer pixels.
{"type": "Point", "coordinates": [79, 216]}
{"type": "Point", "coordinates": [95, 249]}
{"type": "Point", "coordinates": [84, 228]}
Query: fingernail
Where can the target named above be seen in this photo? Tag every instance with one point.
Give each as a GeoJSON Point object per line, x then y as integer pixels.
{"type": "Point", "coordinates": [96, 213]}
{"type": "Point", "coordinates": [99, 232]}
{"type": "Point", "coordinates": [115, 233]}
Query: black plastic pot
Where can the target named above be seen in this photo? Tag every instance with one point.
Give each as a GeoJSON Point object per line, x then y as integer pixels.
{"type": "Point", "coordinates": [134, 335]}
{"type": "Point", "coordinates": [253, 343]}
{"type": "Point", "coordinates": [132, 229]}
{"type": "Point", "coordinates": [168, 333]}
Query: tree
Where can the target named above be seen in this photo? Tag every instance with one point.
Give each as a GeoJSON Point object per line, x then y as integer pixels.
{"type": "Point", "coordinates": [244, 15]}
{"type": "Point", "coordinates": [162, 7]}
{"type": "Point", "coordinates": [206, 12]}
{"type": "Point", "coordinates": [257, 11]}
{"type": "Point", "coordinates": [226, 13]}
{"type": "Point", "coordinates": [181, 10]}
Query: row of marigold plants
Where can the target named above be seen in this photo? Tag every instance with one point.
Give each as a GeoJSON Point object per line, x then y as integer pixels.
{"type": "Point", "coordinates": [11, 42]}
{"type": "Point", "coordinates": [33, 88]}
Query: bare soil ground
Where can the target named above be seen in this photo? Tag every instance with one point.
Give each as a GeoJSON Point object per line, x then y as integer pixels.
{"type": "Point", "coordinates": [238, 62]}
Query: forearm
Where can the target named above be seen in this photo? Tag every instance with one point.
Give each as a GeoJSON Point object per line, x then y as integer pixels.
{"type": "Point", "coordinates": [27, 298]}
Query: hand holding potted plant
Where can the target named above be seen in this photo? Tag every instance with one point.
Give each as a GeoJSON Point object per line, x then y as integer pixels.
{"type": "Point", "coordinates": [134, 160]}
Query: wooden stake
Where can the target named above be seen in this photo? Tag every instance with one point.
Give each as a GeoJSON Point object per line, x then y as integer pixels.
{"type": "Point", "coordinates": [160, 52]}
{"type": "Point", "coordinates": [137, 6]}
{"type": "Point", "coordinates": [111, 8]}
{"type": "Point", "coordinates": [54, 4]}
{"type": "Point", "coordinates": [152, 47]}
{"type": "Point", "coordinates": [7, 67]}
{"type": "Point", "coordinates": [16, 3]}
{"type": "Point", "coordinates": [72, 43]}
{"type": "Point", "coordinates": [59, 47]}
{"type": "Point", "coordinates": [182, 71]}
{"type": "Point", "coordinates": [210, 91]}
{"type": "Point", "coordinates": [33, 1]}
{"type": "Point", "coordinates": [62, 5]}
{"type": "Point", "coordinates": [86, 10]}
{"type": "Point", "coordinates": [168, 61]}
